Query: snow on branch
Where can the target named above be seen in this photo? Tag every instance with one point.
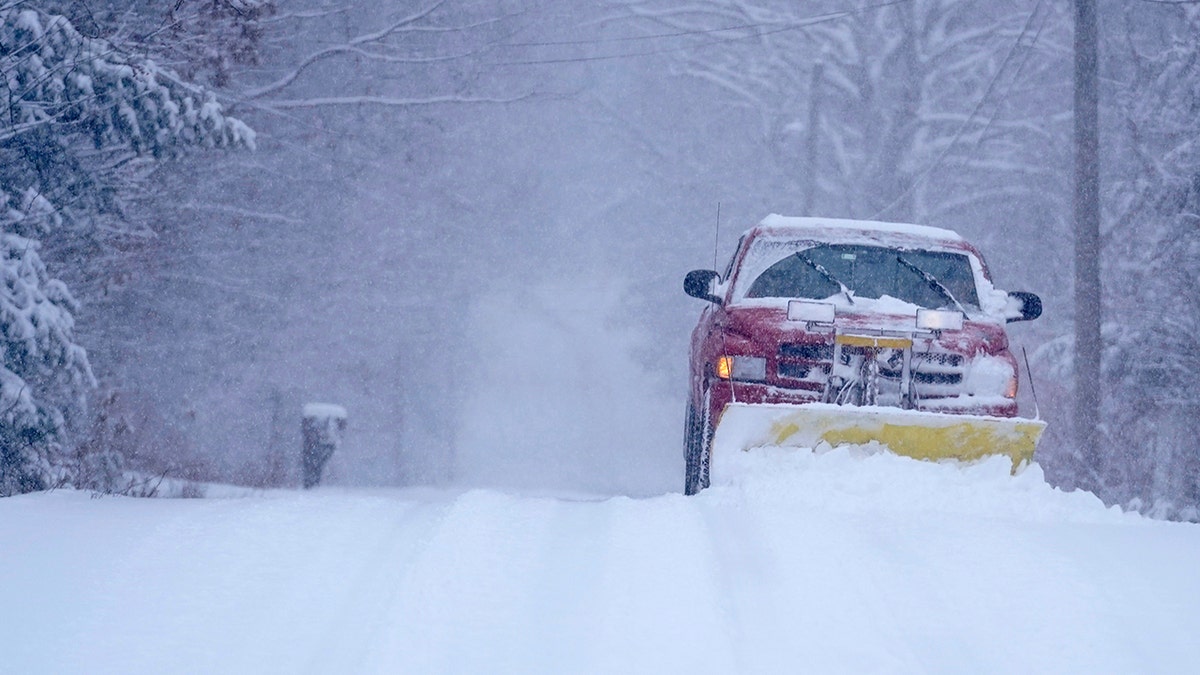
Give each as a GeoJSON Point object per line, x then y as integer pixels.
{"type": "Point", "coordinates": [53, 75]}
{"type": "Point", "coordinates": [244, 213]}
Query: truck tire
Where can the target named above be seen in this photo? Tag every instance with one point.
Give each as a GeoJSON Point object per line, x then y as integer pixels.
{"type": "Point", "coordinates": [696, 451]}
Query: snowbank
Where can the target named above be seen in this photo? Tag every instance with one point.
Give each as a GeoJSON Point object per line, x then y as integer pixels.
{"type": "Point", "coordinates": [844, 561]}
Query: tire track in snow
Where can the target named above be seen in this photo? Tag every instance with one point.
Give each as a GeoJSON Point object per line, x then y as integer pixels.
{"type": "Point", "coordinates": [568, 579]}
{"type": "Point", "coordinates": [822, 604]}
{"type": "Point", "coordinates": [361, 618]}
{"type": "Point", "coordinates": [463, 604]}
{"type": "Point", "coordinates": [656, 610]}
{"type": "Point", "coordinates": [232, 566]}
{"type": "Point", "coordinates": [748, 581]}
{"type": "Point", "coordinates": [514, 584]}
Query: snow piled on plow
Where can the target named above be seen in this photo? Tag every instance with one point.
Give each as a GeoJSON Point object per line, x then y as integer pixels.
{"type": "Point", "coordinates": [869, 478]}
{"type": "Point", "coordinates": [845, 561]}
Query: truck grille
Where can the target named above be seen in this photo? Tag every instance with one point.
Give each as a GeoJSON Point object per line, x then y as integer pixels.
{"type": "Point", "coordinates": [934, 374]}
{"type": "Point", "coordinates": [941, 372]}
{"type": "Point", "coordinates": [937, 378]}
{"type": "Point", "coordinates": [806, 351]}
{"type": "Point", "coordinates": [805, 361]}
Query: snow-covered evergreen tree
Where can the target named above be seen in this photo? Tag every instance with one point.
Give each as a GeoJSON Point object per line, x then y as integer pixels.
{"type": "Point", "coordinates": [82, 121]}
{"type": "Point", "coordinates": [85, 119]}
{"type": "Point", "coordinates": [43, 373]}
{"type": "Point", "coordinates": [57, 79]}
{"type": "Point", "coordinates": [203, 41]}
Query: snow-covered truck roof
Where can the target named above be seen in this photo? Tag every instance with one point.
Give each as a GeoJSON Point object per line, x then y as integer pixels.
{"type": "Point", "coordinates": [777, 236]}
{"type": "Point", "coordinates": [840, 230]}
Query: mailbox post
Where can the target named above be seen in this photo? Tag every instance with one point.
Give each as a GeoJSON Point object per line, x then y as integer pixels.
{"type": "Point", "coordinates": [322, 427]}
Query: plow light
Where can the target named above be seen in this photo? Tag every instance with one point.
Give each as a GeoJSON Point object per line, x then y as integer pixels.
{"type": "Point", "coordinates": [939, 319]}
{"type": "Point", "coordinates": [813, 312]}
{"type": "Point", "coordinates": [753, 368]}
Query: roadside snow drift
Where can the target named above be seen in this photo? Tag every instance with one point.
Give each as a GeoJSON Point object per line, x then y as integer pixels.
{"type": "Point", "coordinates": [794, 561]}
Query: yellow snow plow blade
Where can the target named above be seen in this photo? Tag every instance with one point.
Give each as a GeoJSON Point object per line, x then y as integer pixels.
{"type": "Point", "coordinates": [921, 435]}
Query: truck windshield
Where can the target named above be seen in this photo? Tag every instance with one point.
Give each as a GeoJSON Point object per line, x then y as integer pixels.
{"type": "Point", "coordinates": [869, 272]}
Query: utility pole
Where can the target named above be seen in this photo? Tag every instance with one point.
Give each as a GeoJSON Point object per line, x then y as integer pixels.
{"type": "Point", "coordinates": [1089, 347]}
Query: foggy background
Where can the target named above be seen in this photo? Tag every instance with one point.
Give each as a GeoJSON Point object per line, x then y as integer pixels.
{"type": "Point", "coordinates": [468, 222]}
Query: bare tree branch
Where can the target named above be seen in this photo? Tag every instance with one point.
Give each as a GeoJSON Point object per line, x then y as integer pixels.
{"type": "Point", "coordinates": [390, 101]}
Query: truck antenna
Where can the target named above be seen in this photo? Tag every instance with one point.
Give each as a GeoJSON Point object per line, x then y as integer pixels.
{"type": "Point", "coordinates": [717, 236]}
{"type": "Point", "coordinates": [716, 243]}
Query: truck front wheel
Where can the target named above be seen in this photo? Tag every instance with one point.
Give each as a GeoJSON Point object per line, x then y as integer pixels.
{"type": "Point", "coordinates": [696, 450]}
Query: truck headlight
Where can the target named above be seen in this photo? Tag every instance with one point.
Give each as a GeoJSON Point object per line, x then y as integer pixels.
{"type": "Point", "coordinates": [752, 368]}
{"type": "Point", "coordinates": [1010, 389]}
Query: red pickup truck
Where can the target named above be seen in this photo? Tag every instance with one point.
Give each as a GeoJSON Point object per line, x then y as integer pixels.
{"type": "Point", "coordinates": [852, 331]}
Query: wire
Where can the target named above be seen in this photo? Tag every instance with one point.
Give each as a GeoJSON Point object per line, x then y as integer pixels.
{"type": "Point", "coordinates": [634, 38]}
{"type": "Point", "coordinates": [920, 179]}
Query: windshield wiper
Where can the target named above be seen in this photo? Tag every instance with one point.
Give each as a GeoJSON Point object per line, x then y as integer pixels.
{"type": "Point", "coordinates": [825, 273]}
{"type": "Point", "coordinates": [933, 283]}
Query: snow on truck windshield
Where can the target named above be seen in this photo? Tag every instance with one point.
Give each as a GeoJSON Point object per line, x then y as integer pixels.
{"type": "Point", "coordinates": [795, 269]}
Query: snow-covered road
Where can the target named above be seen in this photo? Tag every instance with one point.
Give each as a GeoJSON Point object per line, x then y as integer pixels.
{"type": "Point", "coordinates": [804, 563]}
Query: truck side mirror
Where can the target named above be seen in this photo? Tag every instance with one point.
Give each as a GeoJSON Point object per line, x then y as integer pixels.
{"type": "Point", "coordinates": [1022, 306]}
{"type": "Point", "coordinates": [698, 284]}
